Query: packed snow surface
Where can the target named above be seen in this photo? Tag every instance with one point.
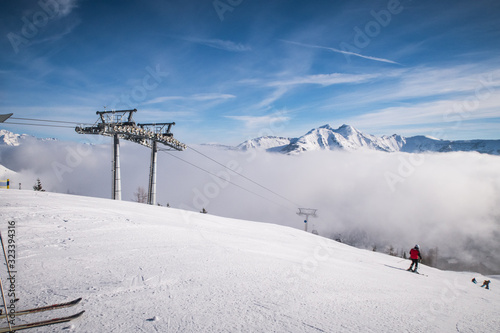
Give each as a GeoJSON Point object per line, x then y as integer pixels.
{"type": "Point", "coordinates": [143, 268]}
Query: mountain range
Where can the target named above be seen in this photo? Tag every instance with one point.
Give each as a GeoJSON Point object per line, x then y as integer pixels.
{"type": "Point", "coordinates": [13, 139]}
{"type": "Point", "coordinates": [326, 137]}
{"type": "Point", "coordinates": [349, 138]}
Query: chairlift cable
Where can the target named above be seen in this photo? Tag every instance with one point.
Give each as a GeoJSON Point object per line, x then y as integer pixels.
{"type": "Point", "coordinates": [192, 164]}
{"type": "Point", "coordinates": [230, 182]}
{"type": "Point", "coordinates": [28, 124]}
{"type": "Point", "coordinates": [239, 174]}
{"type": "Point", "coordinates": [49, 121]}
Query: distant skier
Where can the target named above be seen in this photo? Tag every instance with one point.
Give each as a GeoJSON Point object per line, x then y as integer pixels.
{"type": "Point", "coordinates": [486, 283]}
{"type": "Point", "coordinates": [415, 257]}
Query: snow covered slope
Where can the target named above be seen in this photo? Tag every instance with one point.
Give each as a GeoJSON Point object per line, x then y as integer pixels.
{"type": "Point", "coordinates": [145, 268]}
{"type": "Point", "coordinates": [349, 138]}
{"type": "Point", "coordinates": [6, 173]}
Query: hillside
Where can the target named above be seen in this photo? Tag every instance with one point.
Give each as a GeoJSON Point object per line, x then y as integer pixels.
{"type": "Point", "coordinates": [6, 173]}
{"type": "Point", "coordinates": [145, 268]}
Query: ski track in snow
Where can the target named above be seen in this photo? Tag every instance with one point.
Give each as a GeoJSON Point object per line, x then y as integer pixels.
{"type": "Point", "coordinates": [143, 268]}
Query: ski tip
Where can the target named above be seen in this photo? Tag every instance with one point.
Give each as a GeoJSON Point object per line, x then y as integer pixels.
{"type": "Point", "coordinates": [77, 315]}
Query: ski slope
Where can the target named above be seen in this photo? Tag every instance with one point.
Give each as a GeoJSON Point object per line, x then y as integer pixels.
{"type": "Point", "coordinates": [145, 268]}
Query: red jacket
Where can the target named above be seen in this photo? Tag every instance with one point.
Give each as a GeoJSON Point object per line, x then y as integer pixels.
{"type": "Point", "coordinates": [414, 254]}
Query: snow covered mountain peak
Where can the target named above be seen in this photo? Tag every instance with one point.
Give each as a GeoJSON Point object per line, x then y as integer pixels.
{"type": "Point", "coordinates": [8, 138]}
{"type": "Point", "coordinates": [347, 129]}
{"type": "Point", "coordinates": [347, 137]}
{"type": "Point", "coordinates": [271, 143]}
{"type": "Point", "coordinates": [13, 139]}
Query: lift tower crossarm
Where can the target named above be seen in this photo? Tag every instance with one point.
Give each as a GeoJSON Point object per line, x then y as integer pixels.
{"type": "Point", "coordinates": [307, 212]}
{"type": "Point", "coordinates": [120, 125]}
{"type": "Point", "coordinates": [4, 117]}
{"type": "Point", "coordinates": [118, 116]}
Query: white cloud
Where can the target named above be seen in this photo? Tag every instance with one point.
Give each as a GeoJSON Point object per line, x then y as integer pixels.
{"type": "Point", "coordinates": [434, 84]}
{"type": "Point", "coordinates": [325, 79]}
{"type": "Point", "coordinates": [220, 44]}
{"type": "Point", "coordinates": [344, 52]}
{"type": "Point", "coordinates": [260, 121]}
{"type": "Point", "coordinates": [195, 97]}
{"type": "Point", "coordinates": [66, 7]}
{"type": "Point", "coordinates": [442, 200]}
{"type": "Point", "coordinates": [272, 97]}
{"type": "Point", "coordinates": [441, 113]}
{"type": "Point", "coordinates": [283, 86]}
{"type": "Point", "coordinates": [59, 35]}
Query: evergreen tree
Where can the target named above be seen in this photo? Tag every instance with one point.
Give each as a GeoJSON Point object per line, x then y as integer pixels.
{"type": "Point", "coordinates": [38, 186]}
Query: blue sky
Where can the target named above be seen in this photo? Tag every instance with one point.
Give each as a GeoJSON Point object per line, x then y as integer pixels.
{"type": "Point", "coordinates": [229, 70]}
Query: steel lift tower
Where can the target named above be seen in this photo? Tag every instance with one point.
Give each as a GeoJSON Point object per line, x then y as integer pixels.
{"type": "Point", "coordinates": [120, 125]}
{"type": "Point", "coordinates": [307, 212]}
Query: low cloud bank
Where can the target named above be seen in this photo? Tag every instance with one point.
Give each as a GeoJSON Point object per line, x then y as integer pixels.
{"type": "Point", "coordinates": [444, 201]}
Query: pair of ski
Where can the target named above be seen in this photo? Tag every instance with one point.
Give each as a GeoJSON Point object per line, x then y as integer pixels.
{"type": "Point", "coordinates": [416, 272]}
{"type": "Point", "coordinates": [43, 322]}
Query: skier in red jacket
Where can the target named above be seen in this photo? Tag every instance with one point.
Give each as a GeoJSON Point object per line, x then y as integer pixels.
{"type": "Point", "coordinates": [415, 257]}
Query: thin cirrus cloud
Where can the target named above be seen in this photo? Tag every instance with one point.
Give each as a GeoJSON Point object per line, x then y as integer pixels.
{"type": "Point", "coordinates": [325, 79]}
{"type": "Point", "coordinates": [259, 121]}
{"type": "Point", "coordinates": [220, 44]}
{"type": "Point", "coordinates": [65, 7]}
{"type": "Point", "coordinates": [349, 53]}
{"type": "Point", "coordinates": [194, 98]}
{"type": "Point", "coordinates": [283, 86]}
{"type": "Point", "coordinates": [444, 114]}
{"type": "Point", "coordinates": [430, 84]}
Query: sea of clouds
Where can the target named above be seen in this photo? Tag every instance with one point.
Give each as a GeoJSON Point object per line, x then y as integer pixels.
{"type": "Point", "coordinates": [370, 199]}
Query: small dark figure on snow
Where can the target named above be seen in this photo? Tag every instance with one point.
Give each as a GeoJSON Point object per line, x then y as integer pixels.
{"type": "Point", "coordinates": [486, 284]}
{"type": "Point", "coordinates": [415, 257]}
{"type": "Point", "coordinates": [474, 280]}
